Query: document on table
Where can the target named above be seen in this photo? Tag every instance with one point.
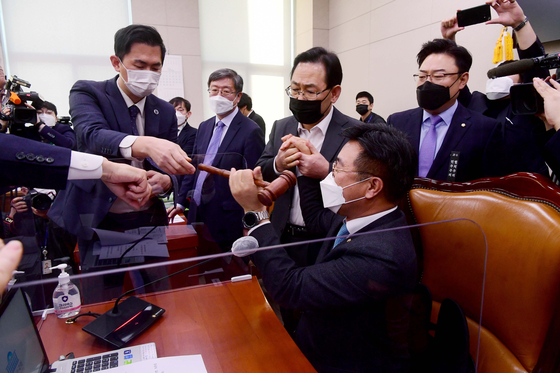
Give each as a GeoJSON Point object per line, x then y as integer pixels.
{"type": "Point", "coordinates": [171, 364]}
{"type": "Point", "coordinates": [114, 244]}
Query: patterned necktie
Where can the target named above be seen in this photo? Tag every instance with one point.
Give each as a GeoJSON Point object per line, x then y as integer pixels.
{"type": "Point", "coordinates": [134, 111]}
{"type": "Point", "coordinates": [208, 159]}
{"type": "Point", "coordinates": [339, 236]}
{"type": "Point", "coordinates": [427, 151]}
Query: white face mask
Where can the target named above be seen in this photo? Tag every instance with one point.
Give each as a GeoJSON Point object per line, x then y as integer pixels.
{"type": "Point", "coordinates": [48, 119]}
{"type": "Point", "coordinates": [141, 83]}
{"type": "Point", "coordinates": [498, 87]}
{"type": "Point", "coordinates": [333, 197]}
{"type": "Point", "coordinates": [181, 118]}
{"type": "Point", "coordinates": [220, 105]}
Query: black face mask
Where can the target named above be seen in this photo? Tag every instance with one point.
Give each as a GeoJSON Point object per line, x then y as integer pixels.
{"type": "Point", "coordinates": [362, 109]}
{"type": "Point", "coordinates": [431, 96]}
{"type": "Point", "coordinates": [307, 112]}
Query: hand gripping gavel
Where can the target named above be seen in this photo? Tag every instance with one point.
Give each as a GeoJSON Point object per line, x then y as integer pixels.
{"type": "Point", "coordinates": [271, 191]}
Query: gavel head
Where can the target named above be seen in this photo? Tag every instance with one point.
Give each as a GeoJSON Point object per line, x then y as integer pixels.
{"type": "Point", "coordinates": [275, 189]}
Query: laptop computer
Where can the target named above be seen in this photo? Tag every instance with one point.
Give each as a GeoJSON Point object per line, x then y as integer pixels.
{"type": "Point", "coordinates": [22, 350]}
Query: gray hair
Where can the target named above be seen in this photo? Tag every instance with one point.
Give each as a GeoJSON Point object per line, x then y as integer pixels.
{"type": "Point", "coordinates": [227, 73]}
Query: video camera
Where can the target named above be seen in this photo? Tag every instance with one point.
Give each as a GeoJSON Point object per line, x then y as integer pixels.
{"type": "Point", "coordinates": [22, 119]}
{"type": "Point", "coordinates": [525, 100]}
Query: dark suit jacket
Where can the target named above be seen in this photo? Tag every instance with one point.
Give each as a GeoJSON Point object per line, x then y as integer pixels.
{"type": "Point", "coordinates": [549, 145]}
{"type": "Point", "coordinates": [60, 135]}
{"type": "Point", "coordinates": [331, 146]}
{"type": "Point", "coordinates": [345, 295]}
{"type": "Point", "coordinates": [469, 133]}
{"type": "Point", "coordinates": [374, 118]}
{"type": "Point", "coordinates": [31, 163]}
{"type": "Point", "coordinates": [101, 120]}
{"type": "Point", "coordinates": [259, 120]}
{"type": "Point", "coordinates": [186, 139]}
{"type": "Point", "coordinates": [240, 148]}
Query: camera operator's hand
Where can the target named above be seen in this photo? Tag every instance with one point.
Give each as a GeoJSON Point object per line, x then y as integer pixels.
{"type": "Point", "coordinates": [166, 154]}
{"type": "Point", "coordinates": [551, 97]}
{"type": "Point", "coordinates": [10, 255]}
{"type": "Point", "coordinates": [4, 123]}
{"type": "Point", "coordinates": [19, 205]}
{"type": "Point", "coordinates": [449, 28]}
{"type": "Point", "coordinates": [510, 14]}
{"type": "Point", "coordinates": [127, 182]}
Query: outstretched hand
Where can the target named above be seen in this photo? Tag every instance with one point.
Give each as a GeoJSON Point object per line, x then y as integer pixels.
{"type": "Point", "coordinates": [509, 13]}
{"type": "Point", "coordinates": [244, 190]}
{"type": "Point", "coordinates": [10, 255]}
{"type": "Point", "coordinates": [128, 183]}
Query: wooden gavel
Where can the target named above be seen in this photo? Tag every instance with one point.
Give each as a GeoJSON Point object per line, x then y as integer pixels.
{"type": "Point", "coordinates": [271, 191]}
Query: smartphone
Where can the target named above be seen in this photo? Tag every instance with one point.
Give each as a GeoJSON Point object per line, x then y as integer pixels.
{"type": "Point", "coordinates": [475, 15]}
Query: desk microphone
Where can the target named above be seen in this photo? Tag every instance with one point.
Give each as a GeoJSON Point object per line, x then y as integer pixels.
{"type": "Point", "coordinates": [120, 325]}
{"type": "Point", "coordinates": [549, 61]}
{"type": "Point", "coordinates": [245, 246]}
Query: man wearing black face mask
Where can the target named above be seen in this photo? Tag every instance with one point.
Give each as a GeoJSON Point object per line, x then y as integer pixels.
{"type": "Point", "coordinates": [364, 107]}
{"type": "Point", "coordinates": [452, 141]}
{"type": "Point", "coordinates": [315, 87]}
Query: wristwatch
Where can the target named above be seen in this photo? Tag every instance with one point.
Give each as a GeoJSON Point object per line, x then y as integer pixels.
{"type": "Point", "coordinates": [253, 218]}
{"type": "Point", "coordinates": [521, 25]}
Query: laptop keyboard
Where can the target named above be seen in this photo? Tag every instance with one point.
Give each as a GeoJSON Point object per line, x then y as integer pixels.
{"type": "Point", "coordinates": [95, 364]}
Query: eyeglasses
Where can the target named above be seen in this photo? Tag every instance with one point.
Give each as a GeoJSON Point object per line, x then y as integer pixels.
{"type": "Point", "coordinates": [222, 91]}
{"type": "Point", "coordinates": [308, 95]}
{"type": "Point", "coordinates": [336, 170]}
{"type": "Point", "coordinates": [435, 78]}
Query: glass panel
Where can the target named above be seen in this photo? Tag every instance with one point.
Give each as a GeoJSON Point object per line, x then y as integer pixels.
{"type": "Point", "coordinates": [368, 294]}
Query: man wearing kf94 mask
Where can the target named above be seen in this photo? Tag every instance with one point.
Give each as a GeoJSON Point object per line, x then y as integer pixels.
{"type": "Point", "coordinates": [121, 118]}
{"type": "Point", "coordinates": [453, 142]}
{"type": "Point", "coordinates": [347, 294]}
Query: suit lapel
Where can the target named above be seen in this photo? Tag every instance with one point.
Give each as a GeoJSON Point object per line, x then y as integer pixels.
{"type": "Point", "coordinates": [234, 126]}
{"type": "Point", "coordinates": [414, 124]}
{"type": "Point", "coordinates": [151, 115]}
{"type": "Point", "coordinates": [333, 139]}
{"type": "Point", "coordinates": [119, 106]}
{"type": "Point", "coordinates": [460, 125]}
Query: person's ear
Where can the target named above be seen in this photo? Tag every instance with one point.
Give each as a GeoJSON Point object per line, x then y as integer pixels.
{"type": "Point", "coordinates": [375, 186]}
{"type": "Point", "coordinates": [116, 63]}
{"type": "Point", "coordinates": [335, 93]}
{"type": "Point", "coordinates": [463, 80]}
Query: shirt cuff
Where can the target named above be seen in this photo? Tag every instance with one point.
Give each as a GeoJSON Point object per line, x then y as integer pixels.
{"type": "Point", "coordinates": [126, 146]}
{"type": "Point", "coordinates": [258, 226]}
{"type": "Point", "coordinates": [274, 167]}
{"type": "Point", "coordinates": [85, 166]}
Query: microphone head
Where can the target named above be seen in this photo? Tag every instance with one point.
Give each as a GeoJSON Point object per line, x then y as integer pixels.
{"type": "Point", "coordinates": [245, 246]}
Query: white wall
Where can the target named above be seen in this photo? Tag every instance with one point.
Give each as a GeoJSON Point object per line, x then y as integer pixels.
{"type": "Point", "coordinates": [377, 42]}
{"type": "Point", "coordinates": [177, 22]}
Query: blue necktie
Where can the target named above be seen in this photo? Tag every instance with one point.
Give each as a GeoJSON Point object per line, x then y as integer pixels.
{"type": "Point", "coordinates": [134, 111]}
{"type": "Point", "coordinates": [208, 159]}
{"type": "Point", "coordinates": [427, 151]}
{"type": "Point", "coordinates": [339, 236]}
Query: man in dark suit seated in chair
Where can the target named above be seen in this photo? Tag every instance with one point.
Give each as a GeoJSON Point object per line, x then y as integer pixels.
{"type": "Point", "coordinates": [351, 294]}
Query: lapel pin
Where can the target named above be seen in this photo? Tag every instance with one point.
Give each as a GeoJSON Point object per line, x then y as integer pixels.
{"type": "Point", "coordinates": [463, 125]}
{"type": "Point", "coordinates": [156, 111]}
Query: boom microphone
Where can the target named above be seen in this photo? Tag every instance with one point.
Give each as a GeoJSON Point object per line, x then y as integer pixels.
{"type": "Point", "coordinates": [549, 61]}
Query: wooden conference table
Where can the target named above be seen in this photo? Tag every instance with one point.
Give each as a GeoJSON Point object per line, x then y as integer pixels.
{"type": "Point", "coordinates": [230, 324]}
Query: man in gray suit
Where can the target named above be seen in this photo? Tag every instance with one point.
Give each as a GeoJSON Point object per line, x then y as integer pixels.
{"type": "Point", "coordinates": [315, 87]}
{"type": "Point", "coordinates": [306, 143]}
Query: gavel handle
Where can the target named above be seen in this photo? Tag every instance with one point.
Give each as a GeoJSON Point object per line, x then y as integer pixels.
{"type": "Point", "coordinates": [225, 173]}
